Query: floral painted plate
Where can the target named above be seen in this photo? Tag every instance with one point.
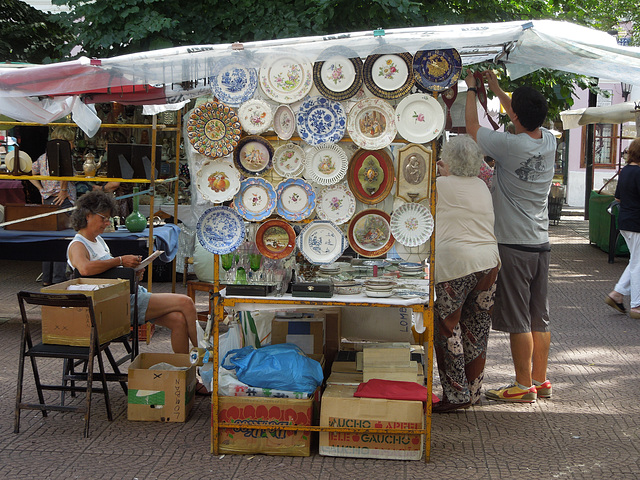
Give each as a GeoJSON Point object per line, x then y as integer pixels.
{"type": "Point", "coordinates": [389, 76]}
{"type": "Point", "coordinates": [321, 242]}
{"type": "Point", "coordinates": [255, 116]}
{"type": "Point", "coordinates": [437, 70]}
{"type": "Point", "coordinates": [372, 124]}
{"type": "Point", "coordinates": [371, 175]}
{"type": "Point", "coordinates": [338, 78]}
{"type": "Point", "coordinates": [233, 83]}
{"type": "Point", "coordinates": [370, 233]}
{"type": "Point", "coordinates": [296, 199]}
{"type": "Point", "coordinates": [253, 155]}
{"type": "Point", "coordinates": [336, 203]}
{"type": "Point", "coordinates": [284, 122]}
{"type": "Point", "coordinates": [286, 78]}
{"type": "Point", "coordinates": [256, 199]}
{"type": "Point", "coordinates": [288, 160]}
{"type": "Point", "coordinates": [220, 230]}
{"type": "Point", "coordinates": [326, 164]}
{"type": "Point", "coordinates": [420, 118]}
{"type": "Point", "coordinates": [321, 120]}
{"type": "Point", "coordinates": [275, 239]}
{"type": "Point", "coordinates": [218, 180]}
{"type": "Point", "coordinates": [411, 224]}
{"type": "Point", "coordinates": [214, 129]}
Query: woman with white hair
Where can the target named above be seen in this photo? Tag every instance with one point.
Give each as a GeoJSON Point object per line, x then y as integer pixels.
{"type": "Point", "coordinates": [467, 264]}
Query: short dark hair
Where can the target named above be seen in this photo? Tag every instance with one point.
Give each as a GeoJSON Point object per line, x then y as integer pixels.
{"type": "Point", "coordinates": [94, 202]}
{"type": "Point", "coordinates": [530, 106]}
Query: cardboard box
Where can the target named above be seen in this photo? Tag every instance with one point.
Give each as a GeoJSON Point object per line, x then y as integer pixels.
{"type": "Point", "coordinates": [341, 409]}
{"type": "Point", "coordinates": [272, 411]}
{"type": "Point", "coordinates": [161, 395]}
{"type": "Point", "coordinates": [71, 326]}
{"type": "Point", "coordinates": [306, 333]}
{"type": "Point", "coordinates": [15, 211]}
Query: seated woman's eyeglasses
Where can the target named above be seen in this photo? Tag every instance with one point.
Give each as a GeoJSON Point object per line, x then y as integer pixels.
{"type": "Point", "coordinates": [104, 219]}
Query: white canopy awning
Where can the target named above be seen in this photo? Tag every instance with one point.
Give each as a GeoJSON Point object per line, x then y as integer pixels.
{"type": "Point", "coordinates": [524, 46]}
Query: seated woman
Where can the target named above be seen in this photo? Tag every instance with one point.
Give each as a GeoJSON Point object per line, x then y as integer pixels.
{"type": "Point", "coordinates": [467, 263]}
{"type": "Point", "coordinates": [89, 253]}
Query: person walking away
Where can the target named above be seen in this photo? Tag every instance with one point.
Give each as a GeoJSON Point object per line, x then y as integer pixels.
{"type": "Point", "coordinates": [524, 167]}
{"type": "Point", "coordinates": [628, 194]}
{"type": "Point", "coordinates": [467, 264]}
{"type": "Point", "coordinates": [54, 192]}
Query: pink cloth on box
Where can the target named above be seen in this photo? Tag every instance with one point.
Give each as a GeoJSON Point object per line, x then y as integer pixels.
{"type": "Point", "coordinates": [392, 390]}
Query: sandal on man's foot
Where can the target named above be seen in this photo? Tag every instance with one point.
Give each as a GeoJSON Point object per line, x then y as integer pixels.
{"type": "Point", "coordinates": [615, 305]}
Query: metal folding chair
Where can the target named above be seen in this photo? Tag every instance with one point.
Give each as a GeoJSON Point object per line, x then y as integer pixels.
{"type": "Point", "coordinates": [69, 354]}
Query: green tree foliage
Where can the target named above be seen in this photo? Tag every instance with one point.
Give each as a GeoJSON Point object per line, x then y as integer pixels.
{"type": "Point", "coordinates": [27, 34]}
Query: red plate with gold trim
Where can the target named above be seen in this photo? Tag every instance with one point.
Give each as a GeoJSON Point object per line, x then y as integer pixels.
{"type": "Point", "coordinates": [275, 239]}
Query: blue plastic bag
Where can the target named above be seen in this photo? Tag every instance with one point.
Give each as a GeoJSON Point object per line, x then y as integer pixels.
{"type": "Point", "coordinates": [283, 367]}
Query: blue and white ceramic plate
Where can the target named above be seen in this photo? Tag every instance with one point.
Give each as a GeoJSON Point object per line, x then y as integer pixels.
{"type": "Point", "coordinates": [233, 82]}
{"type": "Point", "coordinates": [321, 242]}
{"type": "Point", "coordinates": [220, 230]}
{"type": "Point", "coordinates": [321, 120]}
{"type": "Point", "coordinates": [296, 199]}
{"type": "Point", "coordinates": [256, 199]}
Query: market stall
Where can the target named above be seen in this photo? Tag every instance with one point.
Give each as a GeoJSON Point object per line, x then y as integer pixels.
{"type": "Point", "coordinates": [301, 148]}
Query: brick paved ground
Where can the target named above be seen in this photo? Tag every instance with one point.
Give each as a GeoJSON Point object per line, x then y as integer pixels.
{"type": "Point", "coordinates": [589, 430]}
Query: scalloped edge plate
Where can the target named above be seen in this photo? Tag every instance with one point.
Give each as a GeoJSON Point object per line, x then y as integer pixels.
{"type": "Point", "coordinates": [301, 187]}
{"type": "Point", "coordinates": [411, 224]}
{"type": "Point", "coordinates": [338, 208]}
{"type": "Point", "coordinates": [326, 164]}
{"type": "Point", "coordinates": [289, 160]}
{"type": "Point", "coordinates": [255, 116]}
{"type": "Point", "coordinates": [256, 199]}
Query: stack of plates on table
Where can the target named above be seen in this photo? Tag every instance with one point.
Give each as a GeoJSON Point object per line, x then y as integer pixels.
{"type": "Point", "coordinates": [379, 287]}
{"type": "Point", "coordinates": [329, 270]}
{"type": "Point", "coordinates": [348, 287]}
{"type": "Point", "coordinates": [409, 269]}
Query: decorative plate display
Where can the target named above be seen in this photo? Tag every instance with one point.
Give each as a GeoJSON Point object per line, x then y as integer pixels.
{"type": "Point", "coordinates": [339, 77]}
{"type": "Point", "coordinates": [389, 76]}
{"type": "Point", "coordinates": [437, 70]}
{"type": "Point", "coordinates": [411, 224]}
{"type": "Point", "coordinates": [414, 173]}
{"type": "Point", "coordinates": [255, 116]}
{"type": "Point", "coordinates": [296, 199]}
{"type": "Point", "coordinates": [220, 230]}
{"type": "Point", "coordinates": [256, 199]}
{"type": "Point", "coordinates": [275, 239]}
{"type": "Point", "coordinates": [321, 242]}
{"type": "Point", "coordinates": [372, 124]}
{"type": "Point", "coordinates": [371, 175]}
{"type": "Point", "coordinates": [253, 155]}
{"type": "Point", "coordinates": [284, 122]}
{"type": "Point", "coordinates": [233, 82]}
{"type": "Point", "coordinates": [326, 164]}
{"type": "Point", "coordinates": [413, 254]}
{"type": "Point", "coordinates": [370, 234]}
{"type": "Point", "coordinates": [321, 120]}
{"type": "Point", "coordinates": [288, 160]}
{"type": "Point", "coordinates": [213, 129]}
{"type": "Point", "coordinates": [336, 203]}
{"type": "Point", "coordinates": [286, 78]}
{"type": "Point", "coordinates": [218, 180]}
{"type": "Point", "coordinates": [419, 118]}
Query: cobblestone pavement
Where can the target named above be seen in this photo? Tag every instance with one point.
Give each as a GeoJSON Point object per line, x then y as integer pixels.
{"type": "Point", "coordinates": [589, 430]}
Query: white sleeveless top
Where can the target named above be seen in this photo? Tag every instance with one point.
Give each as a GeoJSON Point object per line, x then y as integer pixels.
{"type": "Point", "coordinates": [98, 250]}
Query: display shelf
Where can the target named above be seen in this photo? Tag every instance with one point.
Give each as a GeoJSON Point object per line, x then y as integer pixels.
{"type": "Point", "coordinates": [218, 301]}
{"type": "Point", "coordinates": [154, 126]}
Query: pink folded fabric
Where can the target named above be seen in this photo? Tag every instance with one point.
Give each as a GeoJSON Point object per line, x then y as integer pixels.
{"type": "Point", "coordinates": [393, 390]}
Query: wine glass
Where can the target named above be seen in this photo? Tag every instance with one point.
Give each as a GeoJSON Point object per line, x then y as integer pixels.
{"type": "Point", "coordinates": [227, 264]}
{"type": "Point", "coordinates": [255, 260]}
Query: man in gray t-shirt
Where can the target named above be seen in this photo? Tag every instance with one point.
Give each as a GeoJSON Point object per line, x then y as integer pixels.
{"type": "Point", "coordinates": [520, 188]}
